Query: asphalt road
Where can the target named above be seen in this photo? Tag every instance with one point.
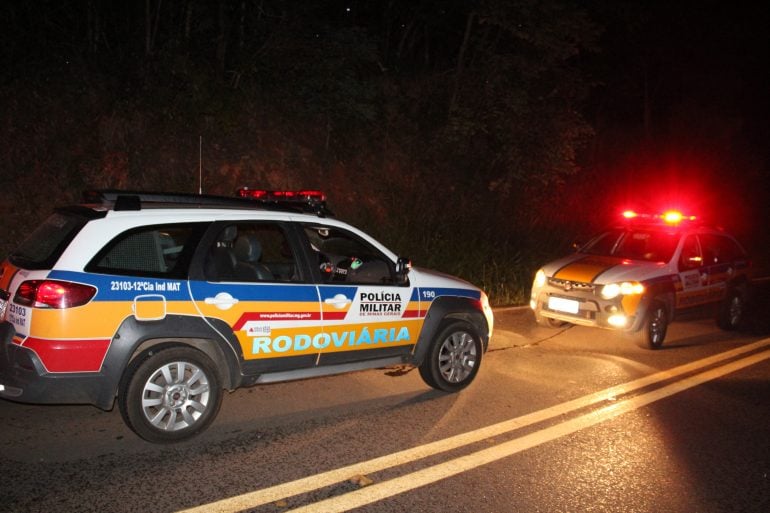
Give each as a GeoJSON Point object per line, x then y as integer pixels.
{"type": "Point", "coordinates": [567, 420]}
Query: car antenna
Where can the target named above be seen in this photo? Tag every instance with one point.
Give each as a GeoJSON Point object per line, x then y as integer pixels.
{"type": "Point", "coordinates": [200, 165]}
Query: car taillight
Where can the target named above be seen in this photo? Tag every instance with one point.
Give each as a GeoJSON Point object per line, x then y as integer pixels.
{"type": "Point", "coordinates": [53, 294]}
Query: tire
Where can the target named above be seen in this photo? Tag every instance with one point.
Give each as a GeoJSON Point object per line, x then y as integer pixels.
{"type": "Point", "coordinates": [453, 358]}
{"type": "Point", "coordinates": [170, 394]}
{"type": "Point", "coordinates": [730, 314]}
{"type": "Point", "coordinates": [654, 327]}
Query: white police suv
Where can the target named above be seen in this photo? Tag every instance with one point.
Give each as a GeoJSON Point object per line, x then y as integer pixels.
{"type": "Point", "coordinates": [636, 276]}
{"type": "Point", "coordinates": [165, 300]}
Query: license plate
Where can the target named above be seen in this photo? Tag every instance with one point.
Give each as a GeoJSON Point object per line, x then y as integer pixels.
{"type": "Point", "coordinates": [559, 304]}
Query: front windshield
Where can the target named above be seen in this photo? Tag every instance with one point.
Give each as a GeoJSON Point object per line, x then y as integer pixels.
{"type": "Point", "coordinates": [634, 244]}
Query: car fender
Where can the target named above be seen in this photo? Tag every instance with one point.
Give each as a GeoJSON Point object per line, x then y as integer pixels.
{"type": "Point", "coordinates": [134, 337]}
{"type": "Point", "coordinates": [450, 307]}
{"type": "Point", "coordinates": [662, 290]}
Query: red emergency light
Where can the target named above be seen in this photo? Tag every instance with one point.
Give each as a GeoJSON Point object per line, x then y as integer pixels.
{"type": "Point", "coordinates": [304, 195]}
{"type": "Point", "coordinates": [668, 217]}
{"type": "Point", "coordinates": [675, 217]}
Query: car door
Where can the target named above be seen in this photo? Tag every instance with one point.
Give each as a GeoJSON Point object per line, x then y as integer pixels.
{"type": "Point", "coordinates": [693, 275]}
{"type": "Point", "coordinates": [257, 293]}
{"type": "Point", "coordinates": [721, 257]}
{"type": "Point", "coordinates": [366, 311]}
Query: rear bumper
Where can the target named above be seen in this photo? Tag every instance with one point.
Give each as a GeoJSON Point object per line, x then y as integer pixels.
{"type": "Point", "coordinates": [24, 379]}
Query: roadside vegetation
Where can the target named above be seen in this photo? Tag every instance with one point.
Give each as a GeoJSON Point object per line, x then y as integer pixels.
{"type": "Point", "coordinates": [457, 133]}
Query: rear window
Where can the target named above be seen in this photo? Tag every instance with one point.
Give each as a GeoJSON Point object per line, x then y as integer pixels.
{"type": "Point", "coordinates": [45, 245]}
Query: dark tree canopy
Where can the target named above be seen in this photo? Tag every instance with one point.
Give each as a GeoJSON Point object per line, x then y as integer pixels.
{"type": "Point", "coordinates": [467, 134]}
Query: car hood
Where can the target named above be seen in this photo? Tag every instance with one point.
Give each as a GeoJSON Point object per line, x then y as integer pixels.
{"type": "Point", "coordinates": [601, 270]}
{"type": "Point", "coordinates": [421, 277]}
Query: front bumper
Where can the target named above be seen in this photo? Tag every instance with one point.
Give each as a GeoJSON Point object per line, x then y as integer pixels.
{"type": "Point", "coordinates": [23, 378]}
{"type": "Point", "coordinates": [586, 308]}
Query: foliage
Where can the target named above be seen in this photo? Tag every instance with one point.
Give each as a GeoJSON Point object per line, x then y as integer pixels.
{"type": "Point", "coordinates": [440, 127]}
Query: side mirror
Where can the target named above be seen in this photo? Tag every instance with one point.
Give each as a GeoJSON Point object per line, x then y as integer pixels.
{"type": "Point", "coordinates": [403, 265]}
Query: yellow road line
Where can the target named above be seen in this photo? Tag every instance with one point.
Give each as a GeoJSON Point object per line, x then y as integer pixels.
{"type": "Point", "coordinates": [384, 490]}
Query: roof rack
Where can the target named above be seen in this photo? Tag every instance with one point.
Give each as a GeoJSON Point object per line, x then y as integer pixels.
{"type": "Point", "coordinates": [133, 200]}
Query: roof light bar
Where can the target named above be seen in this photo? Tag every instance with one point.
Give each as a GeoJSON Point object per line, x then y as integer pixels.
{"type": "Point", "coordinates": [674, 216]}
{"type": "Point", "coordinates": [668, 217]}
{"type": "Point", "coordinates": [308, 200]}
{"type": "Point", "coordinates": [300, 196]}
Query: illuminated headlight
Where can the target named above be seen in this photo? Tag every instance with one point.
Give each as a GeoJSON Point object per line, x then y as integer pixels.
{"type": "Point", "coordinates": [487, 309]}
{"type": "Point", "coordinates": [485, 304]}
{"type": "Point", "coordinates": [617, 320]}
{"type": "Point", "coordinates": [540, 279]}
{"type": "Point", "coordinates": [627, 288]}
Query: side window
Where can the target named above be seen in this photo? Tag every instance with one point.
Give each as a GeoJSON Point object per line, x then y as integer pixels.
{"type": "Point", "coordinates": [732, 248]}
{"type": "Point", "coordinates": [342, 257]}
{"type": "Point", "coordinates": [160, 251]}
{"type": "Point", "coordinates": [691, 257]}
{"type": "Point", "coordinates": [719, 249]}
{"type": "Point", "coordinates": [711, 251]}
{"type": "Point", "coordinates": [252, 252]}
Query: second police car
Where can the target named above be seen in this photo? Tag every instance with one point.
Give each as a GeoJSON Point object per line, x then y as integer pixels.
{"type": "Point", "coordinates": [163, 301]}
{"type": "Point", "coordinates": [636, 276]}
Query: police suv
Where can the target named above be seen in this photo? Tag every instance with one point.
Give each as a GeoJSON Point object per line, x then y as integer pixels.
{"type": "Point", "coordinates": [635, 277]}
{"type": "Point", "coordinates": [165, 300]}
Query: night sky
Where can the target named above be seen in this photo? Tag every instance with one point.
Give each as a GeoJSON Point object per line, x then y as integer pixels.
{"type": "Point", "coordinates": [689, 97]}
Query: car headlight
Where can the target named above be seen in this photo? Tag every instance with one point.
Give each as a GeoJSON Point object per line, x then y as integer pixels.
{"type": "Point", "coordinates": [626, 288]}
{"type": "Point", "coordinates": [540, 279]}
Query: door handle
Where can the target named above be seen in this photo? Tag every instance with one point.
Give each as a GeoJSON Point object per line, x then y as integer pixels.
{"type": "Point", "coordinates": [222, 300]}
{"type": "Point", "coordinates": [338, 301]}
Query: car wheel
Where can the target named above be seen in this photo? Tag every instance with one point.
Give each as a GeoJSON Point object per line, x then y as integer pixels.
{"type": "Point", "coordinates": [731, 310]}
{"type": "Point", "coordinates": [453, 358]}
{"type": "Point", "coordinates": [170, 394]}
{"type": "Point", "coordinates": [654, 327]}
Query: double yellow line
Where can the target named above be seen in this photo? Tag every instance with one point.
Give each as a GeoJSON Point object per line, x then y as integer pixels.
{"type": "Point", "coordinates": [385, 489]}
